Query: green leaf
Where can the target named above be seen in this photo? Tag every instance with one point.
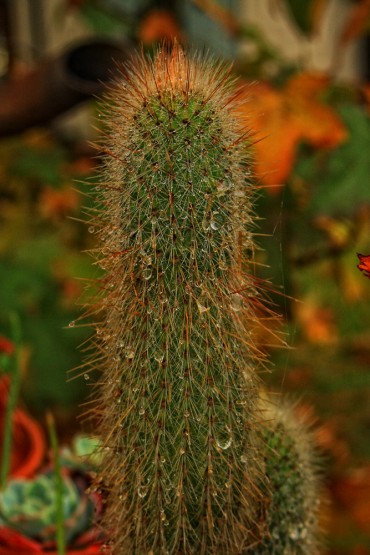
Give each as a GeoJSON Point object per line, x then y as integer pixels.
{"type": "Point", "coordinates": [42, 165]}
{"type": "Point", "coordinates": [341, 181]}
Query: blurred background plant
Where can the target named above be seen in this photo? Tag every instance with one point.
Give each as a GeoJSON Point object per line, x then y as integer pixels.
{"type": "Point", "coordinates": [305, 75]}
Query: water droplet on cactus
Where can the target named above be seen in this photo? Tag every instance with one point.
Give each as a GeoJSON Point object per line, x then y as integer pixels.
{"type": "Point", "coordinates": [72, 324]}
{"type": "Point", "coordinates": [202, 308]}
{"type": "Point", "coordinates": [223, 443]}
{"type": "Point", "coordinates": [142, 491]}
{"type": "Point", "coordinates": [236, 302]}
{"type": "Point", "coordinates": [91, 229]}
{"type": "Point", "coordinates": [147, 274]}
{"type": "Point", "coordinates": [228, 485]}
{"type": "Point", "coordinates": [86, 376]}
{"type": "Point", "coordinates": [142, 411]}
{"type": "Point", "coordinates": [214, 225]}
{"type": "Point", "coordinates": [294, 534]}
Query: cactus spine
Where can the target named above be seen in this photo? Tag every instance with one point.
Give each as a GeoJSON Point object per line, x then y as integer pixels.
{"type": "Point", "coordinates": [179, 397]}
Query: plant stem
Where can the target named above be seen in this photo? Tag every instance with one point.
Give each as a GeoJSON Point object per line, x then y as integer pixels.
{"type": "Point", "coordinates": [58, 484]}
{"type": "Point", "coordinates": [12, 400]}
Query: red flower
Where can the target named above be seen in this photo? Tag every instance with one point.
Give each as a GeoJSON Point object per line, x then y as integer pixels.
{"type": "Point", "coordinates": [364, 265]}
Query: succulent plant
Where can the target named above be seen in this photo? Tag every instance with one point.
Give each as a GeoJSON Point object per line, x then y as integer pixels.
{"type": "Point", "coordinates": [188, 467]}
{"type": "Point", "coordinates": [29, 507]}
{"type": "Point", "coordinates": [84, 454]}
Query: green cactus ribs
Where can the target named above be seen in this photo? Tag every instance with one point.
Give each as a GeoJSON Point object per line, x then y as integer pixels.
{"type": "Point", "coordinates": [184, 458]}
{"type": "Point", "coordinates": [179, 376]}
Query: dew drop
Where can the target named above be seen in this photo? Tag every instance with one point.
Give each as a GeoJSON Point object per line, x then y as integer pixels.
{"type": "Point", "coordinates": [294, 534]}
{"type": "Point", "coordinates": [91, 229]}
{"type": "Point", "coordinates": [228, 485]}
{"type": "Point", "coordinates": [236, 302]}
{"type": "Point", "coordinates": [142, 491]}
{"type": "Point", "coordinates": [202, 308]}
{"type": "Point", "coordinates": [86, 377]}
{"type": "Point", "coordinates": [147, 274]}
{"type": "Point", "coordinates": [223, 443]}
{"type": "Point", "coordinates": [142, 411]}
{"type": "Point", "coordinates": [214, 225]}
{"type": "Point", "coordinates": [71, 324]}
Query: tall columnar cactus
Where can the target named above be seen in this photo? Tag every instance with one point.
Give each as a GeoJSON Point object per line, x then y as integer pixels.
{"type": "Point", "coordinates": [185, 459]}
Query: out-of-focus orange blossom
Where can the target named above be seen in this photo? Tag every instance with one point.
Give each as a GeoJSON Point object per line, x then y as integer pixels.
{"type": "Point", "coordinates": [56, 203]}
{"type": "Point", "coordinates": [281, 118]}
{"type": "Point", "coordinates": [157, 26]}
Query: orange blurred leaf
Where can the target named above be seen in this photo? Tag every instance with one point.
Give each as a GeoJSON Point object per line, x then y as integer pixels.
{"type": "Point", "coordinates": [55, 203]}
{"type": "Point", "coordinates": [318, 123]}
{"type": "Point", "coordinates": [317, 322]}
{"type": "Point", "coordinates": [157, 26]}
{"type": "Point", "coordinates": [282, 118]}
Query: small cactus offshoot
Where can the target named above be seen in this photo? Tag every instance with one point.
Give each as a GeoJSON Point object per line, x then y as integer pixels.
{"type": "Point", "coordinates": [291, 468]}
{"type": "Point", "coordinates": [184, 458]}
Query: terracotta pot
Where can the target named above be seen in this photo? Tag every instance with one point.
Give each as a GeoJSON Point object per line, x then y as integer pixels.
{"type": "Point", "coordinates": [28, 445]}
